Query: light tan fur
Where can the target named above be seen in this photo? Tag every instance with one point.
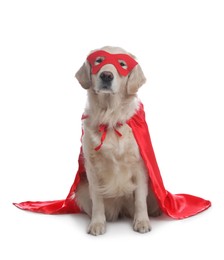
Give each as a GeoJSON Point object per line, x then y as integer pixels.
{"type": "Point", "coordinates": [116, 181]}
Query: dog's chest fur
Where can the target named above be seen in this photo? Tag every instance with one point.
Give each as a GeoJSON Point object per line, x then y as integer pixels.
{"type": "Point", "coordinates": [116, 163]}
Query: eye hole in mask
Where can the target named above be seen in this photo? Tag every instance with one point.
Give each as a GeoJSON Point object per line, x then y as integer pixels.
{"type": "Point", "coordinates": [98, 60]}
{"type": "Point", "coordinates": [123, 64]}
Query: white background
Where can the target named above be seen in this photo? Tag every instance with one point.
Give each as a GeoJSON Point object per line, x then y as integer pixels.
{"type": "Point", "coordinates": [179, 45]}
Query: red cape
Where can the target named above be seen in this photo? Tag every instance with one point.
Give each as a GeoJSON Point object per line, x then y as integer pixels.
{"type": "Point", "coordinates": [177, 206]}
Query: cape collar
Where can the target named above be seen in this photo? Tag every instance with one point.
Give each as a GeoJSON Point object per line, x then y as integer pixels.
{"type": "Point", "coordinates": [103, 128]}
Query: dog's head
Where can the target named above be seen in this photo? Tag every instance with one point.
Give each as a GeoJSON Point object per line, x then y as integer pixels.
{"type": "Point", "coordinates": [111, 70]}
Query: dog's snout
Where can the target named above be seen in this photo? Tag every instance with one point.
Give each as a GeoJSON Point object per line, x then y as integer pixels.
{"type": "Point", "coordinates": [107, 76]}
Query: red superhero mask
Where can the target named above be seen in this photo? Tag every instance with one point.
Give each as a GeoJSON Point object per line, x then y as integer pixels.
{"type": "Point", "coordinates": [124, 63]}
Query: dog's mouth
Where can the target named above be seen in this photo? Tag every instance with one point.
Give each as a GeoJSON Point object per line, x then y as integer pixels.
{"type": "Point", "coordinates": [104, 90]}
{"type": "Point", "coordinates": [105, 87]}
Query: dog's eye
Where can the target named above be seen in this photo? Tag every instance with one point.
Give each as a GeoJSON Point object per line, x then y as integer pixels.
{"type": "Point", "coordinates": [98, 60]}
{"type": "Point", "coordinates": [123, 64]}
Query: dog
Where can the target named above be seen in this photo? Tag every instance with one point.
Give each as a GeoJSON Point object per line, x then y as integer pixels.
{"type": "Point", "coordinates": [116, 183]}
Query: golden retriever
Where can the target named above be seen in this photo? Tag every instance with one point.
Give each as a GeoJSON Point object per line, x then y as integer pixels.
{"type": "Point", "coordinates": [116, 182]}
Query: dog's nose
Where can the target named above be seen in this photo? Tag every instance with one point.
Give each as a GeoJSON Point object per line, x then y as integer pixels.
{"type": "Point", "coordinates": [107, 76]}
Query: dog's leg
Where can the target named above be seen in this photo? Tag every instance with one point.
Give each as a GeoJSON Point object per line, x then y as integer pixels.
{"type": "Point", "coordinates": [153, 206]}
{"type": "Point", "coordinates": [97, 224]}
{"type": "Point", "coordinates": [141, 220]}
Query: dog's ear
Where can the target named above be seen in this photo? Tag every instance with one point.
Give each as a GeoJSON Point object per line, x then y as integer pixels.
{"type": "Point", "coordinates": [135, 80]}
{"type": "Point", "coordinates": [83, 75]}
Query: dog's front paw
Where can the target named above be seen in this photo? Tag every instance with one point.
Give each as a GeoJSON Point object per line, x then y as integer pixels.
{"type": "Point", "coordinates": [142, 225]}
{"type": "Point", "coordinates": [97, 228]}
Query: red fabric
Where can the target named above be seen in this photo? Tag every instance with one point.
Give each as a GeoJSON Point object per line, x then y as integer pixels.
{"type": "Point", "coordinates": [103, 129]}
{"type": "Point", "coordinates": [115, 59]}
{"type": "Point", "coordinates": [177, 206]}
